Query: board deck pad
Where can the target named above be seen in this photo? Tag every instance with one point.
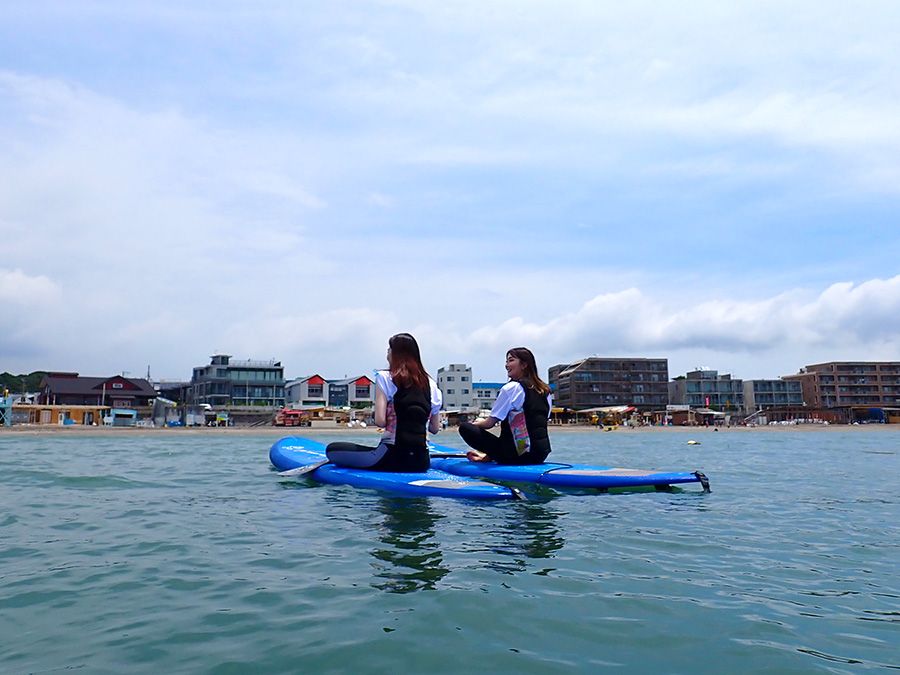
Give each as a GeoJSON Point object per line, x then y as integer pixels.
{"type": "Point", "coordinates": [555, 474]}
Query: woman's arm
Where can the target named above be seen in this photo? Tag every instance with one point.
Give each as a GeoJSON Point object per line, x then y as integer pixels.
{"type": "Point", "coordinates": [485, 422]}
{"type": "Point", "coordinates": [380, 408]}
{"type": "Point", "coordinates": [434, 423]}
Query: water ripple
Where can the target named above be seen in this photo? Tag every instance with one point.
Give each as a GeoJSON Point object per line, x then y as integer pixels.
{"type": "Point", "coordinates": [188, 555]}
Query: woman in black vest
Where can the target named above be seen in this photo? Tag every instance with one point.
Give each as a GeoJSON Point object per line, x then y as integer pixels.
{"type": "Point", "coordinates": [522, 408]}
{"type": "Point", "coordinates": [407, 402]}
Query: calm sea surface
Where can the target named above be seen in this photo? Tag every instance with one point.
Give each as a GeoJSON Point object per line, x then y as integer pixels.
{"type": "Point", "coordinates": [187, 554]}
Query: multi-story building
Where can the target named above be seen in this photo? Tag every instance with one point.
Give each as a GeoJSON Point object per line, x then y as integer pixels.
{"type": "Point", "coordinates": [356, 392]}
{"type": "Point", "coordinates": [708, 389]}
{"type": "Point", "coordinates": [242, 383]}
{"type": "Point", "coordinates": [848, 384]}
{"type": "Point", "coordinates": [599, 382]}
{"type": "Point", "coordinates": [455, 383]}
{"type": "Point", "coordinates": [765, 394]}
{"type": "Point", "coordinates": [315, 391]}
{"type": "Point", "coordinates": [309, 392]}
{"type": "Point", "coordinates": [485, 394]}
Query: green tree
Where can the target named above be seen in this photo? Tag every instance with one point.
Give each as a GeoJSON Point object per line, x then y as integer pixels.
{"type": "Point", "coordinates": [20, 384]}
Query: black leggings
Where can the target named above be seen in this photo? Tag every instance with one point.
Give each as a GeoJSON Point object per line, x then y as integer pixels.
{"type": "Point", "coordinates": [496, 448]}
{"type": "Point", "coordinates": [383, 458]}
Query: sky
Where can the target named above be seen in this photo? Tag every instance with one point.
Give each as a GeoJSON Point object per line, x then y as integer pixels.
{"type": "Point", "coordinates": [717, 184]}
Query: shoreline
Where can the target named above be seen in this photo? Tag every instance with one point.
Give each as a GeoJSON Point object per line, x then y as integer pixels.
{"type": "Point", "coordinates": [55, 429]}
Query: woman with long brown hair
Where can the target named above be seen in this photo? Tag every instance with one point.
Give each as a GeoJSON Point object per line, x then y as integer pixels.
{"type": "Point", "coordinates": [522, 408]}
{"type": "Point", "coordinates": [407, 402]}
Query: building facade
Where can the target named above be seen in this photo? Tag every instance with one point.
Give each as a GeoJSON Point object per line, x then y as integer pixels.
{"type": "Point", "coordinates": [455, 383]}
{"type": "Point", "coordinates": [599, 382]}
{"type": "Point", "coordinates": [848, 384]}
{"type": "Point", "coordinates": [307, 392]}
{"type": "Point", "coordinates": [117, 391]}
{"type": "Point", "coordinates": [314, 391]}
{"type": "Point", "coordinates": [238, 383]}
{"type": "Point", "coordinates": [708, 389]}
{"type": "Point", "coordinates": [766, 394]}
{"type": "Point", "coordinates": [485, 394]}
{"type": "Point", "coordinates": [355, 392]}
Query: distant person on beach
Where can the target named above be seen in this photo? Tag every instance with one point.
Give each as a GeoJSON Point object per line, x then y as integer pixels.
{"type": "Point", "coordinates": [407, 402]}
{"type": "Point", "coordinates": [522, 408]}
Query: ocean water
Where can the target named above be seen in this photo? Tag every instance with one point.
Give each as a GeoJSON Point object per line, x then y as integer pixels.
{"type": "Point", "coordinates": [185, 553]}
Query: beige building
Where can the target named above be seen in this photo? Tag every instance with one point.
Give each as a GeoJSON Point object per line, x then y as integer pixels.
{"type": "Point", "coordinates": [849, 384]}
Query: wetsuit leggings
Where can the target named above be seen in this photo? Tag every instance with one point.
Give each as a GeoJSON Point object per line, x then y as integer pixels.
{"type": "Point", "coordinates": [499, 451]}
{"type": "Point", "coordinates": [383, 458]}
{"type": "Point", "coordinates": [355, 455]}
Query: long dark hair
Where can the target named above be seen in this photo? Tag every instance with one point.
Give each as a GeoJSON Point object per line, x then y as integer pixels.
{"type": "Point", "coordinates": [406, 363]}
{"type": "Point", "coordinates": [530, 378]}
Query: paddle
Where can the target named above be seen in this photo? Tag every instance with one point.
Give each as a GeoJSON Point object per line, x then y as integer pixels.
{"type": "Point", "coordinates": [447, 455]}
{"type": "Point", "coordinates": [300, 470]}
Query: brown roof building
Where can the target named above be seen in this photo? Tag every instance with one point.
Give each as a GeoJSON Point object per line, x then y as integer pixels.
{"type": "Point", "coordinates": [116, 391]}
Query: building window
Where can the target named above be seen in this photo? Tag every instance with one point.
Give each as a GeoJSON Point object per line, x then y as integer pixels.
{"type": "Point", "coordinates": [117, 385]}
{"type": "Point", "coordinates": [464, 379]}
{"type": "Point", "coordinates": [449, 391]}
{"type": "Point", "coordinates": [449, 378]}
{"type": "Point", "coordinates": [362, 391]}
{"type": "Point", "coordinates": [314, 390]}
{"type": "Point", "coordinates": [465, 391]}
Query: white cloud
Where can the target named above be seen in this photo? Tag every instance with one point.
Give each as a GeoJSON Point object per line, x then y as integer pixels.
{"type": "Point", "coordinates": [843, 314]}
{"type": "Point", "coordinates": [765, 337]}
{"type": "Point", "coordinates": [19, 288]}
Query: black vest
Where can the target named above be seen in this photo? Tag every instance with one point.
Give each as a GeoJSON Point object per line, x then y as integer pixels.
{"type": "Point", "coordinates": [410, 449]}
{"type": "Point", "coordinates": [536, 410]}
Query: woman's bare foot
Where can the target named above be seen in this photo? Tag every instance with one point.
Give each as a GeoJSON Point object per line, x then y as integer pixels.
{"type": "Point", "coordinates": [476, 456]}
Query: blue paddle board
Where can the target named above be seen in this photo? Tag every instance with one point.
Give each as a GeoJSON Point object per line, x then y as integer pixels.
{"type": "Point", "coordinates": [563, 475]}
{"type": "Point", "coordinates": [293, 452]}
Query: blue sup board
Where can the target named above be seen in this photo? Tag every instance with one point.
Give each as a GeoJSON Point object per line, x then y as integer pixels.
{"type": "Point", "coordinates": [292, 453]}
{"type": "Point", "coordinates": [563, 475]}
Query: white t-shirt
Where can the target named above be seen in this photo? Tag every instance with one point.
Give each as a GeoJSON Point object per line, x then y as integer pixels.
{"type": "Point", "coordinates": [385, 382]}
{"type": "Point", "coordinates": [511, 400]}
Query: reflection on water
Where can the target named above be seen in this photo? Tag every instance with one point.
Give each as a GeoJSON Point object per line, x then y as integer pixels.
{"type": "Point", "coordinates": [410, 558]}
{"type": "Point", "coordinates": [527, 532]}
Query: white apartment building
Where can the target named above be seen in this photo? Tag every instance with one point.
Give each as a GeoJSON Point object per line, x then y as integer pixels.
{"type": "Point", "coordinates": [486, 394]}
{"type": "Point", "coordinates": [455, 383]}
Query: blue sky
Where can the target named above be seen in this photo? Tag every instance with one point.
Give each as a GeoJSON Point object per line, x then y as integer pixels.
{"type": "Point", "coordinates": [719, 186]}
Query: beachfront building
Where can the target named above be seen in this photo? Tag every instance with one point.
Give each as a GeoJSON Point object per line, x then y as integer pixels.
{"type": "Point", "coordinates": [767, 394]}
{"type": "Point", "coordinates": [602, 382]}
{"type": "Point", "coordinates": [355, 392]}
{"type": "Point", "coordinates": [706, 388]}
{"type": "Point", "coordinates": [310, 391]}
{"type": "Point", "coordinates": [485, 394]}
{"type": "Point", "coordinates": [851, 385]}
{"type": "Point", "coordinates": [314, 391]}
{"type": "Point", "coordinates": [117, 391]}
{"type": "Point", "coordinates": [174, 390]}
{"type": "Point", "coordinates": [239, 383]}
{"type": "Point", "coordinates": [455, 383]}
